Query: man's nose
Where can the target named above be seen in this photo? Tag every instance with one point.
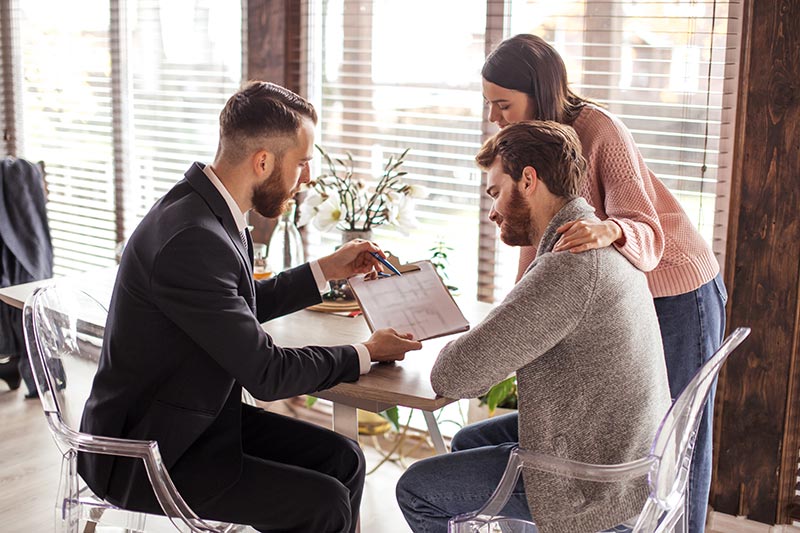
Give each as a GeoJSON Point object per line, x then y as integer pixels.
{"type": "Point", "coordinates": [493, 214]}
{"type": "Point", "coordinates": [305, 175]}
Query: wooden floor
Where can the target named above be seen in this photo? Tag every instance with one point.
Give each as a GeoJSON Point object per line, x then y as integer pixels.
{"type": "Point", "coordinates": [30, 466]}
{"type": "Point", "coordinates": [29, 475]}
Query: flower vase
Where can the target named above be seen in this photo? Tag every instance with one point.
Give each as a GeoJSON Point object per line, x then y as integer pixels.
{"type": "Point", "coordinates": [352, 234]}
{"type": "Point", "coordinates": [286, 245]}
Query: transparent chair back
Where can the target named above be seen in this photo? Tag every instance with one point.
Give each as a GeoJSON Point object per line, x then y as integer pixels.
{"type": "Point", "coordinates": [666, 467]}
{"type": "Point", "coordinates": [63, 334]}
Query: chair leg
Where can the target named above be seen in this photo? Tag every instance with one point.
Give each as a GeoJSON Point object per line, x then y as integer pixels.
{"type": "Point", "coordinates": [135, 522]}
{"type": "Point", "coordinates": [68, 507]}
{"type": "Point", "coordinates": [95, 515]}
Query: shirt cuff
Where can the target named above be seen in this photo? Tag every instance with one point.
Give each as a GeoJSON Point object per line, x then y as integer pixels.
{"type": "Point", "coordinates": [319, 277]}
{"type": "Point", "coordinates": [364, 360]}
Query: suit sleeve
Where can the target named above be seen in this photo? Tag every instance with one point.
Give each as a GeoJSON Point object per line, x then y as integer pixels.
{"type": "Point", "coordinates": [289, 291]}
{"type": "Point", "coordinates": [537, 314]}
{"type": "Point", "coordinates": [195, 282]}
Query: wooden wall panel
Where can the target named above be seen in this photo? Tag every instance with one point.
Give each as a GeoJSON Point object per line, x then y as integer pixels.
{"type": "Point", "coordinates": [756, 426]}
{"type": "Point", "coordinates": [273, 54]}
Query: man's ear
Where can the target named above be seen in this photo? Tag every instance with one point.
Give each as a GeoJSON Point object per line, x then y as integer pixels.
{"type": "Point", "coordinates": [529, 181]}
{"type": "Point", "coordinates": [263, 162]}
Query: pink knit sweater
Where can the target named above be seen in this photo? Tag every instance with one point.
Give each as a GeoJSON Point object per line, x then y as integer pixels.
{"type": "Point", "coordinates": [659, 238]}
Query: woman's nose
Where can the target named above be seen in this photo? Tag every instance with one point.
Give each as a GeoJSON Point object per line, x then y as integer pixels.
{"type": "Point", "coordinates": [494, 114]}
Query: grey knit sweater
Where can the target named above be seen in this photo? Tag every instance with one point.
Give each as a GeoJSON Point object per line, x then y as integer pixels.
{"type": "Point", "coordinates": [581, 332]}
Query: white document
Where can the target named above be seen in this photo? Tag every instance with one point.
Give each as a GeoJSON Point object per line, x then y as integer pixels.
{"type": "Point", "coordinates": [416, 302]}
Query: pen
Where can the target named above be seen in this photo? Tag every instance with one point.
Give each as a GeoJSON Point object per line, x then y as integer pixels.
{"type": "Point", "coordinates": [386, 263]}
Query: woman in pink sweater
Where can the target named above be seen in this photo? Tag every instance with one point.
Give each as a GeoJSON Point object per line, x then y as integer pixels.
{"type": "Point", "coordinates": [524, 78]}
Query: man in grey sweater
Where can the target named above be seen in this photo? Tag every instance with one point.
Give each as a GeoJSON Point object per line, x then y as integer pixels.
{"type": "Point", "coordinates": [581, 333]}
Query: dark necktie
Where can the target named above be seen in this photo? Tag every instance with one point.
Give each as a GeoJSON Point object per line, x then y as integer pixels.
{"type": "Point", "coordinates": [248, 245]}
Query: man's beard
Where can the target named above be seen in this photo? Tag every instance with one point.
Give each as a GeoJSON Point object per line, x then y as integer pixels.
{"type": "Point", "coordinates": [517, 227]}
{"type": "Point", "coordinates": [270, 197]}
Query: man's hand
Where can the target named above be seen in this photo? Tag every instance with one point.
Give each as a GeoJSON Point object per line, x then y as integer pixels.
{"type": "Point", "coordinates": [581, 235]}
{"type": "Point", "coordinates": [352, 258]}
{"type": "Point", "coordinates": [388, 345]}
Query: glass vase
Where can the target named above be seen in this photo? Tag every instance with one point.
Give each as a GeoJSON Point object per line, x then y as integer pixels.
{"type": "Point", "coordinates": [350, 234]}
{"type": "Point", "coordinates": [286, 245]}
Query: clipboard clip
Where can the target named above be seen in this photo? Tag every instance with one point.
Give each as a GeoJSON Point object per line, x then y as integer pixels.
{"type": "Point", "coordinates": [410, 267]}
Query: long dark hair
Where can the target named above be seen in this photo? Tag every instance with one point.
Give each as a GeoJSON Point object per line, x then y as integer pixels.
{"type": "Point", "coordinates": [527, 63]}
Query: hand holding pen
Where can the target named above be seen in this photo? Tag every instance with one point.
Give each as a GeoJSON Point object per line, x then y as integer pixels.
{"type": "Point", "coordinates": [386, 263]}
{"type": "Point", "coordinates": [354, 257]}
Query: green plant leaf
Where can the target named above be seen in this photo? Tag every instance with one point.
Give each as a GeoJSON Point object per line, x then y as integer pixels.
{"type": "Point", "coordinates": [500, 393]}
{"type": "Point", "coordinates": [393, 416]}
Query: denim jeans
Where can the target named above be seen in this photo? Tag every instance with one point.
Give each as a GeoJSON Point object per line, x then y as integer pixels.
{"type": "Point", "coordinates": [433, 490]}
{"type": "Point", "coordinates": [692, 328]}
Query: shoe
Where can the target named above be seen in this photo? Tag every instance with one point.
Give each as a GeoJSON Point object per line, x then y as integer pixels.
{"type": "Point", "coordinates": [10, 374]}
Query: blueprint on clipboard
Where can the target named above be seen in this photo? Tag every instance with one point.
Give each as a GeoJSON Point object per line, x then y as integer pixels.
{"type": "Point", "coordinates": [416, 302]}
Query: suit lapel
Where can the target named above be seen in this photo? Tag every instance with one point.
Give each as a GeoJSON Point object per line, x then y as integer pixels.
{"type": "Point", "coordinates": [200, 182]}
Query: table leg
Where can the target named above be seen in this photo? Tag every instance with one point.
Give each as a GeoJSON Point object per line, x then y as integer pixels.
{"type": "Point", "coordinates": [345, 422]}
{"type": "Point", "coordinates": [436, 435]}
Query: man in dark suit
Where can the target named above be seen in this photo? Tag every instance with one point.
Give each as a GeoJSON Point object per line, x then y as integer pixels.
{"type": "Point", "coordinates": [183, 337]}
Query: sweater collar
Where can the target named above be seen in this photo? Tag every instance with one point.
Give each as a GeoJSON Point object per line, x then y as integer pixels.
{"type": "Point", "coordinates": [575, 209]}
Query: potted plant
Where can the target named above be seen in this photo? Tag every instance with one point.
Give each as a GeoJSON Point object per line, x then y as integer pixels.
{"type": "Point", "coordinates": [500, 399]}
{"type": "Point", "coordinates": [340, 199]}
{"type": "Point", "coordinates": [439, 260]}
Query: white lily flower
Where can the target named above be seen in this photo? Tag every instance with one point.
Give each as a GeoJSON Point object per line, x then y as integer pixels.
{"type": "Point", "coordinates": [394, 197]}
{"type": "Point", "coordinates": [417, 191]}
{"type": "Point", "coordinates": [329, 213]}
{"type": "Point", "coordinates": [402, 218]}
{"type": "Point", "coordinates": [308, 209]}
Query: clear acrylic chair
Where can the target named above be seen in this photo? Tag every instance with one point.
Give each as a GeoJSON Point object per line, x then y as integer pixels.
{"type": "Point", "coordinates": [666, 466]}
{"type": "Point", "coordinates": [63, 333]}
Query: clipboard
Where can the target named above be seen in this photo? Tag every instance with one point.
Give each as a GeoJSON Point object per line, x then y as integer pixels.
{"type": "Point", "coordinates": [417, 302]}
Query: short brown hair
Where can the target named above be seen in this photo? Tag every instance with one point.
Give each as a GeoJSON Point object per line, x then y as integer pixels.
{"type": "Point", "coordinates": [261, 110]}
{"type": "Point", "coordinates": [551, 148]}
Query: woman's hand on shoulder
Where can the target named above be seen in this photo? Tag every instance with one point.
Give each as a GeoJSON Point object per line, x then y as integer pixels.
{"type": "Point", "coordinates": [582, 235]}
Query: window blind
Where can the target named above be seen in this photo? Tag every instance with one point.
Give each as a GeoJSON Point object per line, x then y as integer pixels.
{"type": "Point", "coordinates": [5, 73]}
{"type": "Point", "coordinates": [667, 70]}
{"type": "Point", "coordinates": [185, 60]}
{"type": "Point", "coordinates": [10, 115]}
{"type": "Point", "coordinates": [119, 98]}
{"type": "Point", "coordinates": [379, 92]}
{"type": "Point", "coordinates": [67, 124]}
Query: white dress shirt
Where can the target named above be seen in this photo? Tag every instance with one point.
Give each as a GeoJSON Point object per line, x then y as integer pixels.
{"type": "Point", "coordinates": [364, 359]}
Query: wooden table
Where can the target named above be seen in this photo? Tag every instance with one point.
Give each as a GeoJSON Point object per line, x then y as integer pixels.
{"type": "Point", "coordinates": [97, 283]}
{"type": "Point", "coordinates": [405, 383]}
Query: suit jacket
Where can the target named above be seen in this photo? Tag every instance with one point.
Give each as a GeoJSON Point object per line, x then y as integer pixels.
{"type": "Point", "coordinates": [183, 336]}
{"type": "Point", "coordinates": [26, 252]}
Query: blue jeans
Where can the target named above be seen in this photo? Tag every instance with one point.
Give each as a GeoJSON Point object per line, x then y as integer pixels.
{"type": "Point", "coordinates": [692, 328]}
{"type": "Point", "coordinates": [433, 490]}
